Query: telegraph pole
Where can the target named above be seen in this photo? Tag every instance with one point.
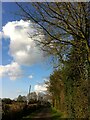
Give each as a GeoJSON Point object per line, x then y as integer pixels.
{"type": "Point", "coordinates": [28, 96]}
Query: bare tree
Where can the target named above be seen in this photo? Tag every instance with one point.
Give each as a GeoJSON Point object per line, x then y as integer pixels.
{"type": "Point", "coordinates": [64, 25]}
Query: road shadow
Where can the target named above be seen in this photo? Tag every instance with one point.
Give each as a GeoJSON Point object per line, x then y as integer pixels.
{"type": "Point", "coordinates": [49, 118]}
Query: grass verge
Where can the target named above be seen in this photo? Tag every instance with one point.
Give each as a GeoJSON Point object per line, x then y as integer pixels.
{"type": "Point", "coordinates": [56, 115]}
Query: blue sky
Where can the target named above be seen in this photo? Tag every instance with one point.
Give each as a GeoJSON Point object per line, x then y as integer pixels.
{"type": "Point", "coordinates": [22, 64]}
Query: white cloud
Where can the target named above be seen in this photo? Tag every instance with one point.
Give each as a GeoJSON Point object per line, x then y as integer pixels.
{"type": "Point", "coordinates": [23, 48]}
{"type": "Point", "coordinates": [40, 88]}
{"type": "Point", "coordinates": [13, 71]}
{"type": "Point", "coordinates": [30, 76]}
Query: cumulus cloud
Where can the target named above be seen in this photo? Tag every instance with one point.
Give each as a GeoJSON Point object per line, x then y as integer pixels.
{"type": "Point", "coordinates": [30, 76]}
{"type": "Point", "coordinates": [22, 36]}
{"type": "Point", "coordinates": [40, 88]}
{"type": "Point", "coordinates": [13, 71]}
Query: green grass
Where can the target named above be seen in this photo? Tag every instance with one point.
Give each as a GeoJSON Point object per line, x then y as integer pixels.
{"type": "Point", "coordinates": [56, 115]}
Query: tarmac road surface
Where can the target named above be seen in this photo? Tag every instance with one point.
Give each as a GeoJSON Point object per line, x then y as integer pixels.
{"type": "Point", "coordinates": [43, 114]}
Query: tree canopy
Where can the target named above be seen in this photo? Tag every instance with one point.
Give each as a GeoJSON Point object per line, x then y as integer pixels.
{"type": "Point", "coordinates": [64, 25]}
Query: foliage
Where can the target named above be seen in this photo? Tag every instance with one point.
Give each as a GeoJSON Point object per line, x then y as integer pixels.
{"type": "Point", "coordinates": [56, 87]}
{"type": "Point", "coordinates": [66, 28]}
{"type": "Point", "coordinates": [76, 85]}
{"type": "Point", "coordinates": [56, 115]}
{"type": "Point", "coordinates": [7, 100]}
{"type": "Point", "coordinates": [21, 98]}
{"type": "Point", "coordinates": [17, 110]}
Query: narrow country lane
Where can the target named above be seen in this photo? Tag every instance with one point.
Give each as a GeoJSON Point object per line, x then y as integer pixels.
{"type": "Point", "coordinates": [43, 114]}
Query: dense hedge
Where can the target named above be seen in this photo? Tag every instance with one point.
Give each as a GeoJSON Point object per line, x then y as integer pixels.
{"type": "Point", "coordinates": [16, 111]}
